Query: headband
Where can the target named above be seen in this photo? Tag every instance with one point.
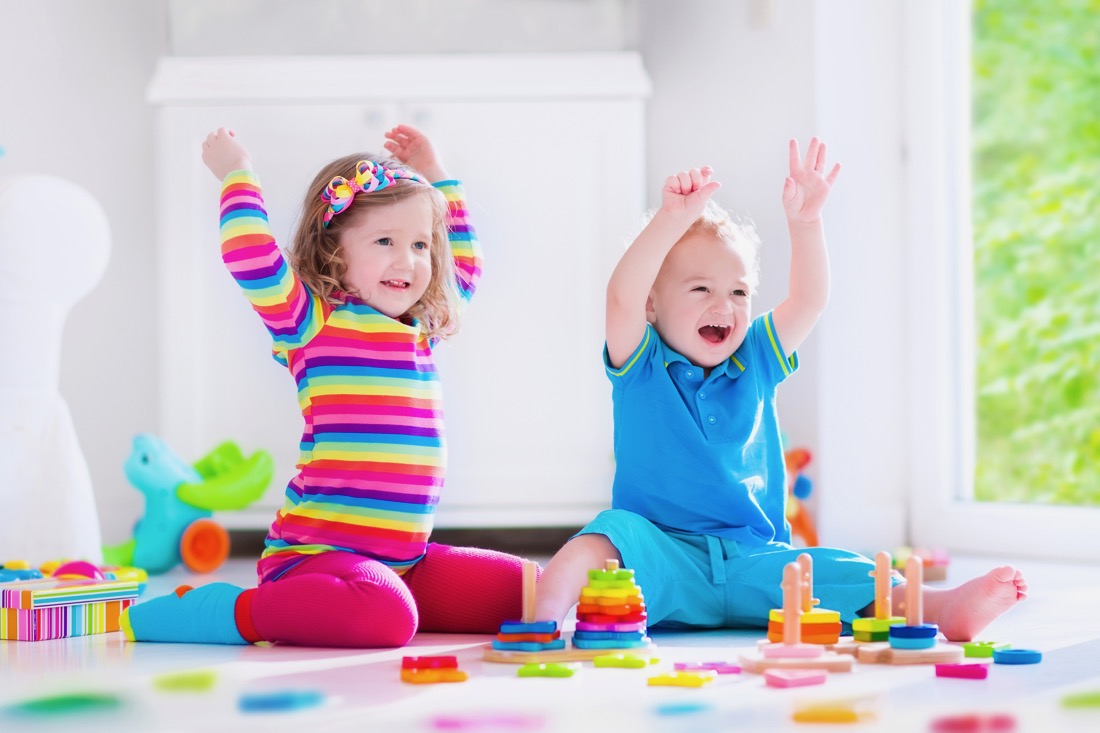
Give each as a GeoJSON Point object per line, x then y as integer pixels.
{"type": "Point", "coordinates": [369, 176]}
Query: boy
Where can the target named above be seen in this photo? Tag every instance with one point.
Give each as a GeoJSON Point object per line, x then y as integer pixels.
{"type": "Point", "coordinates": [698, 507]}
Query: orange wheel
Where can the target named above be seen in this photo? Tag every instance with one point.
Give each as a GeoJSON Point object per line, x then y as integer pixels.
{"type": "Point", "coordinates": [204, 546]}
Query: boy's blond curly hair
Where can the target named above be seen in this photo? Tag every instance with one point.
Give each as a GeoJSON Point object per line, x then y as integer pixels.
{"type": "Point", "coordinates": [740, 233]}
{"type": "Point", "coordinates": [315, 249]}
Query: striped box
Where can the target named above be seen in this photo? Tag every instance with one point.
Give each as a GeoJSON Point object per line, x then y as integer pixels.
{"type": "Point", "coordinates": [36, 610]}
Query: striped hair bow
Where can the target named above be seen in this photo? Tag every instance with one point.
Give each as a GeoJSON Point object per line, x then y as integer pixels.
{"type": "Point", "coordinates": [369, 176]}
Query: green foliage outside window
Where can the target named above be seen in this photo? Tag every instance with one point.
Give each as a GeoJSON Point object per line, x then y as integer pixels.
{"type": "Point", "coordinates": [1036, 221]}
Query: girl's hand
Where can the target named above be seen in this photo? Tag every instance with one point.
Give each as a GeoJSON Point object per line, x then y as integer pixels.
{"type": "Point", "coordinates": [805, 190]}
{"type": "Point", "coordinates": [685, 194]}
{"type": "Point", "coordinates": [413, 148]}
{"type": "Point", "coordinates": [223, 154]}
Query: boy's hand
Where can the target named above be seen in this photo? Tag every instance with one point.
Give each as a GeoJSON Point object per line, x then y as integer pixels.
{"type": "Point", "coordinates": [223, 154]}
{"type": "Point", "coordinates": [413, 148]}
{"type": "Point", "coordinates": [805, 190]}
{"type": "Point", "coordinates": [686, 193]}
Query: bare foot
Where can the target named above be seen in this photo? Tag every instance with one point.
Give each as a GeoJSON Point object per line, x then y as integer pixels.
{"type": "Point", "coordinates": [963, 612]}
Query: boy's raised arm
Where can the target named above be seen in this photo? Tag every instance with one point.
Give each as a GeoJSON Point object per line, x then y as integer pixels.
{"type": "Point", "coordinates": [683, 198]}
{"type": "Point", "coordinates": [804, 194]}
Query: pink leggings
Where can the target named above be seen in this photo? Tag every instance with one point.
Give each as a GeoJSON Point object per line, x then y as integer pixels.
{"type": "Point", "coordinates": [339, 599]}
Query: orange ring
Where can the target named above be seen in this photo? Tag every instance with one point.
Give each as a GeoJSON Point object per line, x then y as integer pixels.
{"type": "Point", "coordinates": [204, 546]}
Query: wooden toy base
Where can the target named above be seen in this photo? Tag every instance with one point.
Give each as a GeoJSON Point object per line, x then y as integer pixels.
{"type": "Point", "coordinates": [756, 662]}
{"type": "Point", "coordinates": [882, 653]}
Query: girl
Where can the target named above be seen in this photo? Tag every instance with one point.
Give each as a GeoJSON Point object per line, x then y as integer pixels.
{"type": "Point", "coordinates": [380, 262]}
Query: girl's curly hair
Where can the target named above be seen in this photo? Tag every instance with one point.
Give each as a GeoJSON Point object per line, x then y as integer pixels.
{"type": "Point", "coordinates": [315, 249]}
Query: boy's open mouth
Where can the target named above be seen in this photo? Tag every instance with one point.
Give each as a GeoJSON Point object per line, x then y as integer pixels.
{"type": "Point", "coordinates": [714, 333]}
{"type": "Point", "coordinates": [400, 284]}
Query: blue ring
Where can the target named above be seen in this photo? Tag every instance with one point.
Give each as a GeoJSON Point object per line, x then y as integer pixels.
{"type": "Point", "coordinates": [1017, 656]}
{"type": "Point", "coordinates": [918, 631]}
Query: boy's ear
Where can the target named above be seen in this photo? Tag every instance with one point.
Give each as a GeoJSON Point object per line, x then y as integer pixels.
{"type": "Point", "coordinates": [650, 311]}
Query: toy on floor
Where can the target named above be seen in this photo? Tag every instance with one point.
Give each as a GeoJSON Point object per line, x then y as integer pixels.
{"type": "Point", "coordinates": [784, 678]}
{"type": "Point", "coordinates": [279, 701]}
{"type": "Point", "coordinates": [974, 723]}
{"type": "Point", "coordinates": [913, 642]}
{"type": "Point", "coordinates": [1017, 656]}
{"type": "Point", "coordinates": [983, 649]}
{"type": "Point", "coordinates": [611, 611]}
{"type": "Point", "coordinates": [36, 610]}
{"type": "Point", "coordinates": [935, 561]}
{"type": "Point", "coordinates": [790, 652]}
{"type": "Point", "coordinates": [430, 670]}
{"type": "Point", "coordinates": [625, 661]}
{"type": "Point", "coordinates": [799, 487]}
{"type": "Point", "coordinates": [877, 628]}
{"type": "Point", "coordinates": [549, 669]}
{"type": "Point", "coordinates": [611, 619]}
{"type": "Point", "coordinates": [818, 625]}
{"type": "Point", "coordinates": [179, 501]}
{"type": "Point", "coordinates": [963, 671]}
{"type": "Point", "coordinates": [718, 667]}
{"type": "Point", "coordinates": [69, 570]}
{"type": "Point", "coordinates": [697, 678]}
{"type": "Point", "coordinates": [527, 634]}
{"type": "Point", "coordinates": [841, 711]}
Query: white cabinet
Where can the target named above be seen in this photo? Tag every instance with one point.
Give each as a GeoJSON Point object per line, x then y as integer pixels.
{"type": "Point", "coordinates": [551, 151]}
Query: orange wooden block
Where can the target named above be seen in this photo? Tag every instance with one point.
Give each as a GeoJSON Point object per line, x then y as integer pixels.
{"type": "Point", "coordinates": [431, 676]}
{"type": "Point", "coordinates": [828, 633]}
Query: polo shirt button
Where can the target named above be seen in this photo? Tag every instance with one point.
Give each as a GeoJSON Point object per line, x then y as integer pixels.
{"type": "Point", "coordinates": [702, 395]}
{"type": "Point", "coordinates": [712, 419]}
{"type": "Point", "coordinates": [689, 374]}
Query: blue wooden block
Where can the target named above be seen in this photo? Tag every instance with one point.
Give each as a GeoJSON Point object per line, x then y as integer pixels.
{"type": "Point", "coordinates": [902, 642]}
{"type": "Point", "coordinates": [537, 627]}
{"type": "Point", "coordinates": [610, 644]}
{"type": "Point", "coordinates": [918, 631]}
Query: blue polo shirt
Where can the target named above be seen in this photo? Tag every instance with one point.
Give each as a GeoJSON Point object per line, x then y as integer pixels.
{"type": "Point", "coordinates": [703, 456]}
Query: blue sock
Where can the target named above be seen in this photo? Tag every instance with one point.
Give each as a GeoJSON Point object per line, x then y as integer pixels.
{"type": "Point", "coordinates": [203, 615]}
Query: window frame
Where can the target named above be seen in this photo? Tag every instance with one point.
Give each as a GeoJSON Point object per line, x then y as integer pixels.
{"type": "Point", "coordinates": [940, 311]}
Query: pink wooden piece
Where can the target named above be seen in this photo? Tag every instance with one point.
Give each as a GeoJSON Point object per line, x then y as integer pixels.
{"type": "Point", "coordinates": [719, 667]}
{"type": "Point", "coordinates": [963, 671]}
{"type": "Point", "coordinates": [587, 626]}
{"type": "Point", "coordinates": [794, 677]}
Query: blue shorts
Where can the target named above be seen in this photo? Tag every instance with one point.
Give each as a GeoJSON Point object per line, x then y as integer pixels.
{"type": "Point", "coordinates": [703, 581]}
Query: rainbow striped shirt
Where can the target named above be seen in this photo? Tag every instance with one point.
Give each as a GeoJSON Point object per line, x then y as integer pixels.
{"type": "Point", "coordinates": [373, 452]}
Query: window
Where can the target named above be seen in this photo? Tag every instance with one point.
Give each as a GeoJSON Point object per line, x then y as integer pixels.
{"type": "Point", "coordinates": [1003, 134]}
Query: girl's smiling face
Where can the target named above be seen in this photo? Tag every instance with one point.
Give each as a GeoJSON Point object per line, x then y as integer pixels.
{"type": "Point", "coordinates": [387, 255]}
{"type": "Point", "coordinates": [701, 302]}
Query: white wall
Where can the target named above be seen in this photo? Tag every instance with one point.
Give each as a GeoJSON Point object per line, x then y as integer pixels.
{"type": "Point", "coordinates": [732, 82]}
{"type": "Point", "coordinates": [72, 88]}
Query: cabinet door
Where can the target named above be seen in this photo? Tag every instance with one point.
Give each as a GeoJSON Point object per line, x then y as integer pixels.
{"type": "Point", "coordinates": [528, 406]}
{"type": "Point", "coordinates": [554, 190]}
{"type": "Point", "coordinates": [218, 379]}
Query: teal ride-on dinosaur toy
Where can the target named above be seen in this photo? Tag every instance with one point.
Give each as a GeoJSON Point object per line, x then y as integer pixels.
{"type": "Point", "coordinates": [179, 501]}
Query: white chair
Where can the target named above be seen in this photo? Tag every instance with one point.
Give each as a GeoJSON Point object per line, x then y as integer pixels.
{"type": "Point", "coordinates": [54, 247]}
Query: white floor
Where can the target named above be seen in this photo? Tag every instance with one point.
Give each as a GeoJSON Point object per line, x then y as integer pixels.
{"type": "Point", "coordinates": [362, 689]}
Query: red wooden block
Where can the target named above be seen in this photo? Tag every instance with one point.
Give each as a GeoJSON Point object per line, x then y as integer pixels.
{"type": "Point", "coordinates": [445, 662]}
